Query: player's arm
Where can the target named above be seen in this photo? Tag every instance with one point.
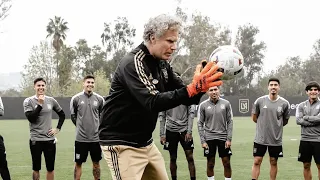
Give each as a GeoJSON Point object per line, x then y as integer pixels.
{"type": "Point", "coordinates": [299, 117]}
{"type": "Point", "coordinates": [137, 83]}
{"type": "Point", "coordinates": [255, 111]}
{"type": "Point", "coordinates": [191, 114]}
{"type": "Point", "coordinates": [102, 101]}
{"type": "Point", "coordinates": [57, 108]}
{"type": "Point", "coordinates": [201, 120]}
{"type": "Point", "coordinates": [1, 108]}
{"type": "Point", "coordinates": [177, 83]}
{"type": "Point", "coordinates": [313, 119]}
{"type": "Point", "coordinates": [162, 120]}
{"type": "Point", "coordinates": [286, 114]}
{"type": "Point", "coordinates": [229, 122]}
{"type": "Point", "coordinates": [73, 109]}
{"type": "Point", "coordinates": [31, 114]}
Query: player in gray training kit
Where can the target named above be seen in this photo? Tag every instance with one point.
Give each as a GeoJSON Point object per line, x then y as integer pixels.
{"type": "Point", "coordinates": [85, 110]}
{"type": "Point", "coordinates": [215, 126]}
{"type": "Point", "coordinates": [176, 126]}
{"type": "Point", "coordinates": [38, 110]}
{"type": "Point", "coordinates": [4, 170]}
{"type": "Point", "coordinates": [308, 117]}
{"type": "Point", "coordinates": [270, 112]}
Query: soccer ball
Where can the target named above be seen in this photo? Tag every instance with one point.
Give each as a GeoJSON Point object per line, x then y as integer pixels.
{"type": "Point", "coordinates": [229, 59]}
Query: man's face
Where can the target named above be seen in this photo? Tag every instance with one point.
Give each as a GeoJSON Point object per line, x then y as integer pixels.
{"type": "Point", "coordinates": [313, 93]}
{"type": "Point", "coordinates": [273, 87]}
{"type": "Point", "coordinates": [214, 92]}
{"type": "Point", "coordinates": [88, 85]}
{"type": "Point", "coordinates": [163, 47]}
{"type": "Point", "coordinates": [40, 87]}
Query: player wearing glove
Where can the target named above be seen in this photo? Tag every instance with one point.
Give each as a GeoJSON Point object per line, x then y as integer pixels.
{"type": "Point", "coordinates": [144, 85]}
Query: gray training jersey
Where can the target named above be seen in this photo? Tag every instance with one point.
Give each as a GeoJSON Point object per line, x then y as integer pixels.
{"type": "Point", "coordinates": [178, 119]}
{"type": "Point", "coordinates": [39, 130]}
{"type": "Point", "coordinates": [215, 121]}
{"type": "Point", "coordinates": [271, 115]}
{"type": "Point", "coordinates": [87, 109]}
{"type": "Point", "coordinates": [308, 116]}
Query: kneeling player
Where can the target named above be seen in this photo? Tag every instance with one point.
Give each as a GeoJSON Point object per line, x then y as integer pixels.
{"type": "Point", "coordinates": [215, 129]}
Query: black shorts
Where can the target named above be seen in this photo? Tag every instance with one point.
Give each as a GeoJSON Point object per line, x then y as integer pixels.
{"type": "Point", "coordinates": [222, 150]}
{"type": "Point", "coordinates": [260, 150]}
{"type": "Point", "coordinates": [49, 151]}
{"type": "Point", "coordinates": [3, 156]}
{"type": "Point", "coordinates": [81, 150]}
{"type": "Point", "coordinates": [173, 139]}
{"type": "Point", "coordinates": [308, 149]}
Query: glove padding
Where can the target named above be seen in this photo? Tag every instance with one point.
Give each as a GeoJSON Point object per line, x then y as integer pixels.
{"type": "Point", "coordinates": [205, 78]}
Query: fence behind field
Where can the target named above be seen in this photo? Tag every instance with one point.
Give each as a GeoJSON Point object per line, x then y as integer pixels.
{"type": "Point", "coordinates": [241, 106]}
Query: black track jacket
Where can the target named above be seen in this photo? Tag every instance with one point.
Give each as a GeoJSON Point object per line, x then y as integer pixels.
{"type": "Point", "coordinates": [142, 87]}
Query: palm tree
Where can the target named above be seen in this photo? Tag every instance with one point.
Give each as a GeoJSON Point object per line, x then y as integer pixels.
{"type": "Point", "coordinates": [56, 29]}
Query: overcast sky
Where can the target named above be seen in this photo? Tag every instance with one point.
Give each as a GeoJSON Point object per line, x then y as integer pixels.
{"type": "Point", "coordinates": [289, 28]}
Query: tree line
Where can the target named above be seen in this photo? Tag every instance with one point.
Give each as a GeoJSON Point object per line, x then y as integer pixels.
{"type": "Point", "coordinates": [63, 66]}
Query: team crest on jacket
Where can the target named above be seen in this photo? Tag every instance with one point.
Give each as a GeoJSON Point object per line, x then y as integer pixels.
{"type": "Point", "coordinates": [279, 109]}
{"type": "Point", "coordinates": [222, 106]}
{"type": "Point", "coordinates": [95, 103]}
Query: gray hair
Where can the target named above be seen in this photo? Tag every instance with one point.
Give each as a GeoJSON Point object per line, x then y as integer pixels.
{"type": "Point", "coordinates": [159, 25]}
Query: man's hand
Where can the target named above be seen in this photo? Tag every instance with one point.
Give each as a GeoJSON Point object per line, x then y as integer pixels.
{"type": "Point", "coordinates": [163, 140]}
{"type": "Point", "coordinates": [188, 137]}
{"type": "Point", "coordinates": [204, 78]}
{"type": "Point", "coordinates": [205, 146]}
{"type": "Point", "coordinates": [41, 99]}
{"type": "Point", "coordinates": [53, 131]}
{"type": "Point", "coordinates": [228, 144]}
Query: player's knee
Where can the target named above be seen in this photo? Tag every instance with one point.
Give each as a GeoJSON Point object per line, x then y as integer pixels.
{"type": "Point", "coordinates": [173, 159]}
{"type": "Point", "coordinates": [210, 165]}
{"type": "Point", "coordinates": [95, 165]}
{"type": "Point", "coordinates": [306, 166]}
{"type": "Point", "coordinates": [273, 162]}
{"type": "Point", "coordinates": [190, 158]}
{"type": "Point", "coordinates": [78, 164]}
{"type": "Point", "coordinates": [50, 170]}
{"type": "Point", "coordinates": [257, 161]}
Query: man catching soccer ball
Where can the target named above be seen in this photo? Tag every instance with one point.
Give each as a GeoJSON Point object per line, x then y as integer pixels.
{"type": "Point", "coordinates": [143, 86]}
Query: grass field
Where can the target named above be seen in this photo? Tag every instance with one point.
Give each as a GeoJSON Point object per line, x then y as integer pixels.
{"type": "Point", "coordinates": [16, 134]}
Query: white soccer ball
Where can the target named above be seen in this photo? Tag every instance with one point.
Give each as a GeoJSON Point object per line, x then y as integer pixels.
{"type": "Point", "coordinates": [229, 59]}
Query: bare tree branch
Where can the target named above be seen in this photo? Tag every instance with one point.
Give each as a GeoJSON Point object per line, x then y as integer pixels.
{"type": "Point", "coordinates": [5, 6]}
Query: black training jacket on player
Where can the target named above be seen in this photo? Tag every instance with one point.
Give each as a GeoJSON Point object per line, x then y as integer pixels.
{"type": "Point", "coordinates": [142, 87]}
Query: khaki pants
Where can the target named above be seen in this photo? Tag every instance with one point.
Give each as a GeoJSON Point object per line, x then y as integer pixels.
{"type": "Point", "coordinates": [129, 163]}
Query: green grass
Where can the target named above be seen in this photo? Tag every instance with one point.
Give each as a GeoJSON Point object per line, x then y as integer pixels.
{"type": "Point", "coordinates": [16, 134]}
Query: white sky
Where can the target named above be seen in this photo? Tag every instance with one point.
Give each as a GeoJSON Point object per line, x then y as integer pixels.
{"type": "Point", "coordinates": [289, 28]}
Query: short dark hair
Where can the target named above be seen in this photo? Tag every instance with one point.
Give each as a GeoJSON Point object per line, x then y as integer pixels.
{"type": "Point", "coordinates": [39, 79]}
{"type": "Point", "coordinates": [88, 77]}
{"type": "Point", "coordinates": [274, 79]}
{"type": "Point", "coordinates": [312, 84]}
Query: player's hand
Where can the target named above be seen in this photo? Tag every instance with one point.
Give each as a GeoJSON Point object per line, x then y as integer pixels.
{"type": "Point", "coordinates": [188, 137]}
{"type": "Point", "coordinates": [53, 131]}
{"type": "Point", "coordinates": [204, 78]}
{"type": "Point", "coordinates": [228, 144]}
{"type": "Point", "coordinates": [41, 99]}
{"type": "Point", "coordinates": [205, 146]}
{"type": "Point", "coordinates": [162, 140]}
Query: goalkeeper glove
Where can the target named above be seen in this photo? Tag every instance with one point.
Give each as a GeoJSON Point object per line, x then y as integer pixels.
{"type": "Point", "coordinates": [205, 78]}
